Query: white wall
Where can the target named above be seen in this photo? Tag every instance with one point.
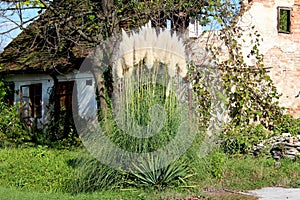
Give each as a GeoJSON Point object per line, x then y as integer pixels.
{"type": "Point", "coordinates": [85, 93]}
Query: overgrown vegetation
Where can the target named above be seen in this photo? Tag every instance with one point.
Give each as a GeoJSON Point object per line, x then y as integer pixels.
{"type": "Point", "coordinates": [38, 171]}
{"type": "Point", "coordinates": [12, 130]}
{"type": "Point", "coordinates": [154, 173]}
{"type": "Point", "coordinates": [251, 99]}
{"type": "Point", "coordinates": [91, 176]}
{"type": "Point", "coordinates": [248, 92]}
{"type": "Point", "coordinates": [60, 130]}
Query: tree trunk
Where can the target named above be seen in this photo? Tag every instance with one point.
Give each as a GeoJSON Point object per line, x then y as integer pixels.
{"type": "Point", "coordinates": [101, 93]}
{"type": "Point", "coordinates": [107, 6]}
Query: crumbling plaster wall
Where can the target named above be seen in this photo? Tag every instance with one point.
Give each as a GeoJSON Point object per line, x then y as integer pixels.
{"type": "Point", "coordinates": [281, 50]}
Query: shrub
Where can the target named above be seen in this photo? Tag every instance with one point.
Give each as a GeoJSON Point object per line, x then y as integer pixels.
{"type": "Point", "coordinates": [287, 124]}
{"type": "Point", "coordinates": [216, 161]}
{"type": "Point", "coordinates": [145, 110]}
{"type": "Point", "coordinates": [91, 175]}
{"type": "Point", "coordinates": [12, 130]}
{"type": "Point", "coordinates": [240, 139]}
{"type": "Point", "coordinates": [60, 130]}
{"type": "Point", "coordinates": [153, 173]}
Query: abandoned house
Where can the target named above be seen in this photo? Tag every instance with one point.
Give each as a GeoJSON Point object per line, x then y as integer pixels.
{"type": "Point", "coordinates": [278, 23]}
{"type": "Point", "coordinates": [42, 81]}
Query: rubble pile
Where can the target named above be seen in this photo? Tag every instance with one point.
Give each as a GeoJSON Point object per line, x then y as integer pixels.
{"type": "Point", "coordinates": [285, 145]}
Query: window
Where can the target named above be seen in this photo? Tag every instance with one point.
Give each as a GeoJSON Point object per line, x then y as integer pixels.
{"type": "Point", "coordinates": [284, 20]}
{"type": "Point", "coordinates": [31, 101]}
{"type": "Point", "coordinates": [63, 99]}
{"type": "Point", "coordinates": [89, 82]}
{"type": "Point", "coordinates": [195, 28]}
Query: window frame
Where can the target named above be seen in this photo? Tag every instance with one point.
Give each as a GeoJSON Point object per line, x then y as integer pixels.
{"type": "Point", "coordinates": [32, 107]}
{"type": "Point", "coordinates": [289, 24]}
{"type": "Point", "coordinates": [64, 94]}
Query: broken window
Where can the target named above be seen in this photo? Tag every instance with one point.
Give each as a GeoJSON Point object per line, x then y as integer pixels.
{"type": "Point", "coordinates": [284, 20]}
{"type": "Point", "coordinates": [31, 101]}
{"type": "Point", "coordinates": [64, 92]}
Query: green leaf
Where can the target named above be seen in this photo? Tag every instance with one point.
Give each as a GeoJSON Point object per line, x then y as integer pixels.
{"type": "Point", "coordinates": [92, 17]}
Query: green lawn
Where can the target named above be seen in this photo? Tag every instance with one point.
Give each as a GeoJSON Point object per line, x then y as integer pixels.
{"type": "Point", "coordinates": [42, 173]}
{"type": "Point", "coordinates": [14, 194]}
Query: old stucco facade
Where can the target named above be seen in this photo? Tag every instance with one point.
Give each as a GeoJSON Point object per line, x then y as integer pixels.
{"type": "Point", "coordinates": [281, 49]}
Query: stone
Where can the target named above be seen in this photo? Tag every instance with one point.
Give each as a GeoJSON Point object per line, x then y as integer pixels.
{"type": "Point", "coordinates": [277, 157]}
{"type": "Point", "coordinates": [295, 140]}
{"type": "Point", "coordinates": [282, 146]}
{"type": "Point", "coordinates": [297, 144]}
{"type": "Point", "coordinates": [291, 152]}
{"type": "Point", "coordinates": [290, 145]}
{"type": "Point", "coordinates": [291, 156]}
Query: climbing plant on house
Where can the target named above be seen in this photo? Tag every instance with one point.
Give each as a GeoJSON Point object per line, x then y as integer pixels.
{"type": "Point", "coordinates": [251, 97]}
{"type": "Point", "coordinates": [252, 101]}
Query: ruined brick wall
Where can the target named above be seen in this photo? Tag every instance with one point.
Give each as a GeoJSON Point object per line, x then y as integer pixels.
{"type": "Point", "coordinates": [281, 50]}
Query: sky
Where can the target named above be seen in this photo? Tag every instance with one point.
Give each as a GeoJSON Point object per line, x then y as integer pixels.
{"type": "Point", "coordinates": [6, 25]}
{"type": "Point", "coordinates": [5, 39]}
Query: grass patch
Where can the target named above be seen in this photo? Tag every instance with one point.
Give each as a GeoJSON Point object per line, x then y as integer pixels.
{"type": "Point", "coordinates": [42, 173]}
{"type": "Point", "coordinates": [252, 173]}
{"type": "Point", "coordinates": [245, 172]}
{"type": "Point", "coordinates": [15, 194]}
{"type": "Point", "coordinates": [130, 194]}
{"type": "Point", "coordinates": [38, 169]}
